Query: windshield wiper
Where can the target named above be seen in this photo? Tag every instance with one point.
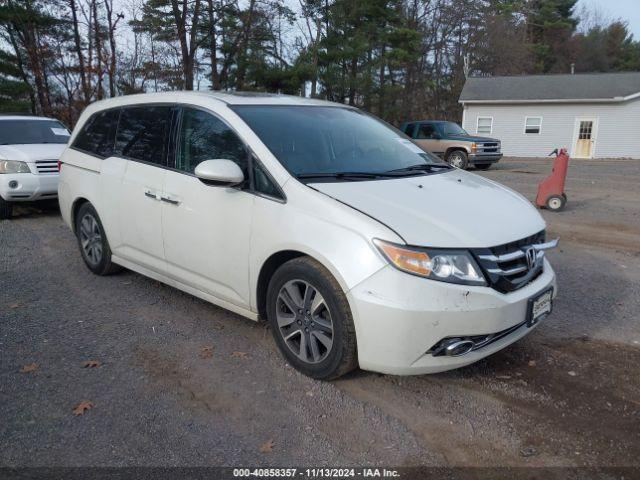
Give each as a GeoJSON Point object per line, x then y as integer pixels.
{"type": "Point", "coordinates": [421, 166]}
{"type": "Point", "coordinates": [345, 175]}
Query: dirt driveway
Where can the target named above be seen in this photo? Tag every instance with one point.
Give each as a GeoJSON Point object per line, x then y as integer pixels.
{"type": "Point", "coordinates": [568, 394]}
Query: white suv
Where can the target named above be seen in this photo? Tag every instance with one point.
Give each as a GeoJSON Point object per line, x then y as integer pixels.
{"type": "Point", "coordinates": [30, 148]}
{"type": "Point", "coordinates": [355, 245]}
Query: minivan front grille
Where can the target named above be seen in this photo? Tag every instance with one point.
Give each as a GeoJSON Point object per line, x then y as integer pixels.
{"type": "Point", "coordinates": [513, 265]}
{"type": "Point", "coordinates": [47, 166]}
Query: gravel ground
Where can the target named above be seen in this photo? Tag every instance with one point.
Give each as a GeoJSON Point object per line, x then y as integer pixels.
{"type": "Point", "coordinates": [567, 394]}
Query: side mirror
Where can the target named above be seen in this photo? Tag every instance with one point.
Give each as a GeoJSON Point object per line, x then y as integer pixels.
{"type": "Point", "coordinates": [220, 172]}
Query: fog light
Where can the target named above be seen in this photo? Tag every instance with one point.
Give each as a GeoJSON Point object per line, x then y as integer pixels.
{"type": "Point", "coordinates": [13, 184]}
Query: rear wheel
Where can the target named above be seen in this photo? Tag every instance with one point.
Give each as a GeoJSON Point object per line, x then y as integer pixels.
{"type": "Point", "coordinates": [6, 209]}
{"type": "Point", "coordinates": [93, 241]}
{"type": "Point", "coordinates": [556, 202]}
{"type": "Point", "coordinates": [458, 159]}
{"type": "Point", "coordinates": [310, 319]}
{"type": "Point", "coordinates": [482, 166]}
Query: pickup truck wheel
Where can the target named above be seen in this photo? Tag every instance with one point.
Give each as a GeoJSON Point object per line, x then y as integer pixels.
{"type": "Point", "coordinates": [92, 241]}
{"type": "Point", "coordinates": [482, 166]}
{"type": "Point", "coordinates": [458, 159]}
{"type": "Point", "coordinates": [6, 209]}
{"type": "Point", "coordinates": [311, 320]}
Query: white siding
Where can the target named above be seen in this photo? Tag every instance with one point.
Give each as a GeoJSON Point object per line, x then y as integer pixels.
{"type": "Point", "coordinates": [617, 134]}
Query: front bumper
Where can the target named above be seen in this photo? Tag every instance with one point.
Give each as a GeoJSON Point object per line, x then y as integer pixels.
{"type": "Point", "coordinates": [484, 157]}
{"type": "Point", "coordinates": [399, 317]}
{"type": "Point", "coordinates": [29, 187]}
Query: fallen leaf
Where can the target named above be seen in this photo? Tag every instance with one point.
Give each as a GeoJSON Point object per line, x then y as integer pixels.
{"type": "Point", "coordinates": [239, 354]}
{"type": "Point", "coordinates": [92, 364]}
{"type": "Point", "coordinates": [572, 373]}
{"type": "Point", "coordinates": [206, 352]}
{"type": "Point", "coordinates": [528, 452]}
{"type": "Point", "coordinates": [82, 407]}
{"type": "Point", "coordinates": [532, 363]}
{"type": "Point", "coordinates": [30, 368]}
{"type": "Point", "coordinates": [15, 305]}
{"type": "Point", "coordinates": [503, 377]}
{"type": "Point", "coordinates": [267, 447]}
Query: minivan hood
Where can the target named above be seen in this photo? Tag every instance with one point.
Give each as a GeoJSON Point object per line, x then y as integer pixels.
{"type": "Point", "coordinates": [32, 152]}
{"type": "Point", "coordinates": [454, 209]}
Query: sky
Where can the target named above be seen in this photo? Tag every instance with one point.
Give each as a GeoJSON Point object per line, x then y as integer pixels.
{"type": "Point", "coordinates": [627, 10]}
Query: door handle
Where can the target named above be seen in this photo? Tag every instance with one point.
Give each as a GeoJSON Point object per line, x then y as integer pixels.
{"type": "Point", "coordinates": [170, 200]}
{"type": "Point", "coordinates": [150, 194]}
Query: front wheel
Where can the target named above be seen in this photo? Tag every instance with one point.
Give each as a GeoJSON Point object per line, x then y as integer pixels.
{"type": "Point", "coordinates": [458, 159]}
{"type": "Point", "coordinates": [93, 241]}
{"type": "Point", "coordinates": [311, 320]}
{"type": "Point", "coordinates": [6, 209]}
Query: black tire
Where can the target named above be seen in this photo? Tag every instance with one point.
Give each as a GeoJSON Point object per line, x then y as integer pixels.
{"type": "Point", "coordinates": [6, 209]}
{"type": "Point", "coordinates": [98, 257]}
{"type": "Point", "coordinates": [482, 166]}
{"type": "Point", "coordinates": [556, 202]}
{"type": "Point", "coordinates": [458, 158]}
{"type": "Point", "coordinates": [334, 311]}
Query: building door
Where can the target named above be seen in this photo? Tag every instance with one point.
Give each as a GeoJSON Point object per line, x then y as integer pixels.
{"type": "Point", "coordinates": [584, 138]}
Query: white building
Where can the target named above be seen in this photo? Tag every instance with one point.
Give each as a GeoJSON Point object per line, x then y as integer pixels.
{"type": "Point", "coordinates": [594, 115]}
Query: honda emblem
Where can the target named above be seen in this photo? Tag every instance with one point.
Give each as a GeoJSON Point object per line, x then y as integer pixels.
{"type": "Point", "coordinates": [530, 255]}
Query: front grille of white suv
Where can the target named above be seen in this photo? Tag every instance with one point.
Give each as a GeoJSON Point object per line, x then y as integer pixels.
{"type": "Point", "coordinates": [47, 166]}
{"type": "Point", "coordinates": [507, 267]}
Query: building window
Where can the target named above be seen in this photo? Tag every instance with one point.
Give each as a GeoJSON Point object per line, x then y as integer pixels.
{"type": "Point", "coordinates": [485, 125]}
{"type": "Point", "coordinates": [532, 125]}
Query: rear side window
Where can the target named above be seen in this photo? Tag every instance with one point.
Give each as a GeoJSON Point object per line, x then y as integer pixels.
{"type": "Point", "coordinates": [143, 133]}
{"type": "Point", "coordinates": [98, 134]}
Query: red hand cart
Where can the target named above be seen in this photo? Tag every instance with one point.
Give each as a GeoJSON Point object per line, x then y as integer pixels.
{"type": "Point", "coordinates": [551, 190]}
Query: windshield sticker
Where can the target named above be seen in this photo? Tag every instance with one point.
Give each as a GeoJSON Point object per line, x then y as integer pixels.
{"type": "Point", "coordinates": [61, 131]}
{"type": "Point", "coordinates": [410, 145]}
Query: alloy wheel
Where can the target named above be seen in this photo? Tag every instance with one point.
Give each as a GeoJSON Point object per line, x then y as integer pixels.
{"type": "Point", "coordinates": [304, 321]}
{"type": "Point", "coordinates": [456, 160]}
{"type": "Point", "coordinates": [91, 239]}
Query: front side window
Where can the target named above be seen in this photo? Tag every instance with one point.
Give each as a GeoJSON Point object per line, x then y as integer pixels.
{"type": "Point", "coordinates": [143, 133]}
{"type": "Point", "coordinates": [485, 125]}
{"type": "Point", "coordinates": [98, 134]}
{"type": "Point", "coordinates": [532, 125]}
{"type": "Point", "coordinates": [426, 131]}
{"type": "Point", "coordinates": [452, 129]}
{"type": "Point", "coordinates": [310, 140]}
{"type": "Point", "coordinates": [205, 137]}
{"type": "Point", "coordinates": [262, 182]}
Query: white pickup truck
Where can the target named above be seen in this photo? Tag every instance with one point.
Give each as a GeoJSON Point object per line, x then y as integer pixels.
{"type": "Point", "coordinates": [30, 148]}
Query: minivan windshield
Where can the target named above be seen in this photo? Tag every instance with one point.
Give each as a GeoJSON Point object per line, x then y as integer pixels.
{"type": "Point", "coordinates": [450, 128]}
{"type": "Point", "coordinates": [321, 141]}
{"type": "Point", "coordinates": [29, 131]}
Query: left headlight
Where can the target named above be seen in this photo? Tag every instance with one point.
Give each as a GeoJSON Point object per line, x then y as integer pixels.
{"type": "Point", "coordinates": [453, 266]}
{"type": "Point", "coordinates": [13, 166]}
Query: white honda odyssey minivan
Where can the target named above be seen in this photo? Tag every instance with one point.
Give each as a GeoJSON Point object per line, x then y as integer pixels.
{"type": "Point", "coordinates": [356, 246]}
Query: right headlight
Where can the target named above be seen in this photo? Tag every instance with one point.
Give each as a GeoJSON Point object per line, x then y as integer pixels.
{"type": "Point", "coordinates": [453, 266]}
{"type": "Point", "coordinates": [13, 166]}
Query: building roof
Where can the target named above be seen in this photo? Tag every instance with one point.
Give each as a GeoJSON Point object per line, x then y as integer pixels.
{"type": "Point", "coordinates": [584, 87]}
